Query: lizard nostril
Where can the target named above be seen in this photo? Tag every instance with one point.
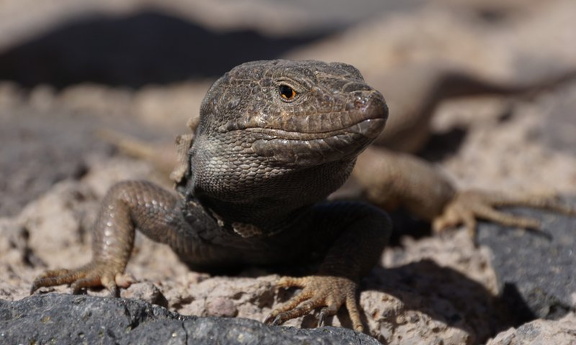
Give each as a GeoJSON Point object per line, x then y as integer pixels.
{"type": "Point", "coordinates": [374, 106]}
{"type": "Point", "coordinates": [359, 102]}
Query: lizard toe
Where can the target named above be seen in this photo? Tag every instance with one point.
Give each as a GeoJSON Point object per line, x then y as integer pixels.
{"type": "Point", "coordinates": [468, 206]}
{"type": "Point", "coordinates": [326, 312]}
{"type": "Point", "coordinates": [90, 275]}
{"type": "Point", "coordinates": [329, 293]}
{"type": "Point", "coordinates": [52, 278]}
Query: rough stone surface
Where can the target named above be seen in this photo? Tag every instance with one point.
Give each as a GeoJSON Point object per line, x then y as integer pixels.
{"type": "Point", "coordinates": [540, 332]}
{"type": "Point", "coordinates": [412, 300]}
{"type": "Point", "coordinates": [19, 164]}
{"type": "Point", "coordinates": [535, 270]}
{"type": "Point", "coordinates": [44, 152]}
{"type": "Point", "coordinates": [67, 319]}
{"type": "Point", "coordinates": [439, 277]}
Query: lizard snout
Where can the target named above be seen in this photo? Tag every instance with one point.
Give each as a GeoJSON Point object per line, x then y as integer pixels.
{"type": "Point", "coordinates": [371, 113]}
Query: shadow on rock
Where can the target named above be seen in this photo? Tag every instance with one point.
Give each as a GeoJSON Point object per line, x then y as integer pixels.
{"type": "Point", "coordinates": [433, 300]}
{"type": "Point", "coordinates": [135, 50]}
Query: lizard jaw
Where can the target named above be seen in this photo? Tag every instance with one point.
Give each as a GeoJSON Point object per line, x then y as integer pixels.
{"type": "Point", "coordinates": [314, 149]}
{"type": "Point", "coordinates": [368, 128]}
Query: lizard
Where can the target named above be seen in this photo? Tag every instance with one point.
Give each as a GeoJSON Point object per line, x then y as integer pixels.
{"type": "Point", "coordinates": [403, 180]}
{"type": "Point", "coordinates": [274, 139]}
{"type": "Point", "coordinates": [245, 209]}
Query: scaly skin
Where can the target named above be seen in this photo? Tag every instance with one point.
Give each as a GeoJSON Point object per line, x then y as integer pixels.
{"type": "Point", "coordinates": [406, 181]}
{"type": "Point", "coordinates": [386, 175]}
{"type": "Point", "coordinates": [275, 138]}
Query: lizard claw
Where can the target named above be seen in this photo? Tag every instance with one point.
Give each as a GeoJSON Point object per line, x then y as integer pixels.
{"type": "Point", "coordinates": [467, 206]}
{"type": "Point", "coordinates": [325, 312]}
{"type": "Point", "coordinates": [273, 321]}
{"type": "Point", "coordinates": [327, 292]}
{"type": "Point", "coordinates": [90, 275]}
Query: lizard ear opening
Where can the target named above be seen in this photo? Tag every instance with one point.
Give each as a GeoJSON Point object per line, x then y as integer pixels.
{"type": "Point", "coordinates": [287, 93]}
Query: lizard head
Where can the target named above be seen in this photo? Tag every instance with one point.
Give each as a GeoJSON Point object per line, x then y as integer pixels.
{"type": "Point", "coordinates": [293, 113]}
{"type": "Point", "coordinates": [282, 130]}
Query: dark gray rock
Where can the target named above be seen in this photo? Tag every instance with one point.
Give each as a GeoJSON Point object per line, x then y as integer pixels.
{"type": "Point", "coordinates": [535, 270]}
{"type": "Point", "coordinates": [73, 319]}
{"type": "Point", "coordinates": [43, 147]}
{"type": "Point", "coordinates": [36, 154]}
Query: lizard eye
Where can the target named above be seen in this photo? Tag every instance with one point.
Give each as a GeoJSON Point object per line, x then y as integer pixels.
{"type": "Point", "coordinates": [286, 92]}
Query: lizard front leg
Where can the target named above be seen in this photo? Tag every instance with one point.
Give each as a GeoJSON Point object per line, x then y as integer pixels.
{"type": "Point", "coordinates": [389, 179]}
{"type": "Point", "coordinates": [361, 233]}
{"type": "Point", "coordinates": [127, 206]}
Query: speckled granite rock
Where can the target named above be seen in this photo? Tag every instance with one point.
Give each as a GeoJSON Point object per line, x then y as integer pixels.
{"type": "Point", "coordinates": [68, 319]}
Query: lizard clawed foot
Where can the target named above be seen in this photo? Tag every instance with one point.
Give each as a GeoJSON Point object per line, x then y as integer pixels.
{"type": "Point", "coordinates": [91, 275]}
{"type": "Point", "coordinates": [468, 206]}
{"type": "Point", "coordinates": [327, 292]}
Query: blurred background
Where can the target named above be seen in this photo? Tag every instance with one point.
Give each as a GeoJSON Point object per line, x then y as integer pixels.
{"type": "Point", "coordinates": [141, 67]}
{"type": "Point", "coordinates": [134, 43]}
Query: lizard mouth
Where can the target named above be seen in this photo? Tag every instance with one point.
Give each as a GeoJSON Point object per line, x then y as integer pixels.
{"type": "Point", "coordinates": [309, 149]}
{"type": "Point", "coordinates": [368, 128]}
{"type": "Point", "coordinates": [316, 138]}
{"type": "Point", "coordinates": [305, 149]}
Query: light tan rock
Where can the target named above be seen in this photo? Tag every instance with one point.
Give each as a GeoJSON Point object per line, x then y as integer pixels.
{"type": "Point", "coordinates": [540, 332]}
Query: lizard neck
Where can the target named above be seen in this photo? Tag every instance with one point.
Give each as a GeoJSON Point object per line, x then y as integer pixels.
{"type": "Point", "coordinates": [263, 200]}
